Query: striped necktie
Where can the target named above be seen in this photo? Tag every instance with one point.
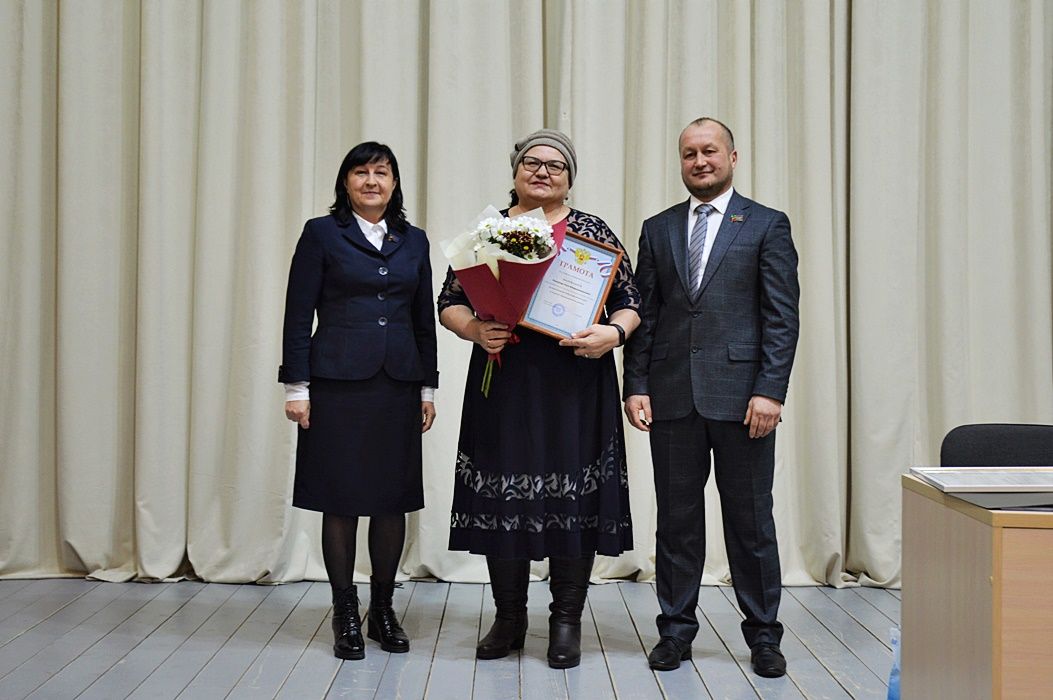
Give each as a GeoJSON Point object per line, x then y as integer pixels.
{"type": "Point", "coordinates": [697, 244]}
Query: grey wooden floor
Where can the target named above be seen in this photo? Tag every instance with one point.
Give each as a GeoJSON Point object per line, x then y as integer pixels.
{"type": "Point", "coordinates": [64, 638]}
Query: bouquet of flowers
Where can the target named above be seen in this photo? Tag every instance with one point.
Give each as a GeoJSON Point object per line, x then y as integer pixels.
{"type": "Point", "coordinates": [499, 262]}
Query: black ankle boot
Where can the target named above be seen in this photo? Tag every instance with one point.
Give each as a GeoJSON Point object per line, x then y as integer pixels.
{"type": "Point", "coordinates": [384, 625]}
{"type": "Point", "coordinates": [569, 583]}
{"type": "Point", "coordinates": [347, 626]}
{"type": "Point", "coordinates": [508, 583]}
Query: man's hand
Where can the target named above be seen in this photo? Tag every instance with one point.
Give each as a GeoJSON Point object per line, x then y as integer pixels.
{"type": "Point", "coordinates": [762, 416]}
{"type": "Point", "coordinates": [638, 411]}
{"type": "Point", "coordinates": [427, 415]}
{"type": "Point", "coordinates": [299, 412]}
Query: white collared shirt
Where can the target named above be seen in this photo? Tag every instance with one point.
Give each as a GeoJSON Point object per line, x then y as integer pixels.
{"type": "Point", "coordinates": [720, 207]}
{"type": "Point", "coordinates": [374, 233]}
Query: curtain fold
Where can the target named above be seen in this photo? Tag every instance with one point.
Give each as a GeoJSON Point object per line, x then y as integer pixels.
{"type": "Point", "coordinates": [163, 156]}
{"type": "Point", "coordinates": [96, 199]}
{"type": "Point", "coordinates": [171, 57]}
{"type": "Point", "coordinates": [28, 146]}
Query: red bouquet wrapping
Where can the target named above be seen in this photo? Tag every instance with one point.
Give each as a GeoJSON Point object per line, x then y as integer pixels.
{"type": "Point", "coordinates": [500, 262]}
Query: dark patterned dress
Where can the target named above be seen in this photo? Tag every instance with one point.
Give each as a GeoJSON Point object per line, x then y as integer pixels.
{"type": "Point", "coordinates": [541, 467]}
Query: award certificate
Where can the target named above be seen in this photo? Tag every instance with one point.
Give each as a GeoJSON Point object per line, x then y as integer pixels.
{"type": "Point", "coordinates": [571, 295]}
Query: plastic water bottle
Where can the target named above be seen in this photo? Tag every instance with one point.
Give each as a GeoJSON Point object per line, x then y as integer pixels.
{"type": "Point", "coordinates": [893, 676]}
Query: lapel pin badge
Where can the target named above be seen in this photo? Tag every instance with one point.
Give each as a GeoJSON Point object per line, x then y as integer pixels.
{"type": "Point", "coordinates": [390, 237]}
{"type": "Point", "coordinates": [737, 218]}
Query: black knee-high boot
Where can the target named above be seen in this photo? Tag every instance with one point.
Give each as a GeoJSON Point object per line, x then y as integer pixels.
{"type": "Point", "coordinates": [508, 582]}
{"type": "Point", "coordinates": [569, 583]}
{"type": "Point", "coordinates": [347, 627]}
{"type": "Point", "coordinates": [384, 625]}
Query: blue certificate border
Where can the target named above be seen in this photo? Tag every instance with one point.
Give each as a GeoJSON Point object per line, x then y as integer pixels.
{"type": "Point", "coordinates": [601, 250]}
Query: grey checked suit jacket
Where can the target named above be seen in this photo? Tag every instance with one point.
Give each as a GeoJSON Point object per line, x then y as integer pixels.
{"type": "Point", "coordinates": [737, 337]}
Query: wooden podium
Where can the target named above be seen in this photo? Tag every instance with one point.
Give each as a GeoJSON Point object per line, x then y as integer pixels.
{"type": "Point", "coordinates": [977, 612]}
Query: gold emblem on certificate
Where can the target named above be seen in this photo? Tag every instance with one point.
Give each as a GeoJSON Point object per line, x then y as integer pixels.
{"type": "Point", "coordinates": [571, 295]}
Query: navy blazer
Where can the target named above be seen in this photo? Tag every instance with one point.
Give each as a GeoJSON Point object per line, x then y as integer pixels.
{"type": "Point", "coordinates": [375, 308]}
{"type": "Point", "coordinates": [737, 337]}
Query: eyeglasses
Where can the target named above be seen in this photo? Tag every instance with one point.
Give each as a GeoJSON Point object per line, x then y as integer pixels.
{"type": "Point", "coordinates": [552, 167]}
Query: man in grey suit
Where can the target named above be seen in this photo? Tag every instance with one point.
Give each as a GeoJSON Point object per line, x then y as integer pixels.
{"type": "Point", "coordinates": [707, 370]}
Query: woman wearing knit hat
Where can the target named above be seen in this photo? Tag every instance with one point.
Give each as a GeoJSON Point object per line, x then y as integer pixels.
{"type": "Point", "coordinates": [541, 468]}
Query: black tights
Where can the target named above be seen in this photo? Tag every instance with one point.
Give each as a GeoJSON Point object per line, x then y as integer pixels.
{"type": "Point", "coordinates": [387, 534]}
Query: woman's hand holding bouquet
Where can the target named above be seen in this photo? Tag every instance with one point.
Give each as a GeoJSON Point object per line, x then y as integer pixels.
{"type": "Point", "coordinates": [499, 262]}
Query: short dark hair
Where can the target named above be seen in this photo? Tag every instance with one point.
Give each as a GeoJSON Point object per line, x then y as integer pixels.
{"type": "Point", "coordinates": [727, 132]}
{"type": "Point", "coordinates": [363, 153]}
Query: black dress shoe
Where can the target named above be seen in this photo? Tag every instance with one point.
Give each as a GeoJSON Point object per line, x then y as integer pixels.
{"type": "Point", "coordinates": [668, 653]}
{"type": "Point", "coordinates": [768, 661]}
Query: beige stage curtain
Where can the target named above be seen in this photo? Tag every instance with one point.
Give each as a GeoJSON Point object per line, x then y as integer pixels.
{"type": "Point", "coordinates": [159, 158]}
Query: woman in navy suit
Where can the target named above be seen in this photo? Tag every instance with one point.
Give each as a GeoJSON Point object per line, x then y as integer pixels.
{"type": "Point", "coordinates": [362, 387]}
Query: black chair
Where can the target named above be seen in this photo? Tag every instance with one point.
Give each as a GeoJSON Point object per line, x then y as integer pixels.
{"type": "Point", "coordinates": [998, 445]}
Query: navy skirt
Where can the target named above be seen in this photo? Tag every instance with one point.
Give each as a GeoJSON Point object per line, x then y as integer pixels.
{"type": "Point", "coordinates": [362, 453]}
